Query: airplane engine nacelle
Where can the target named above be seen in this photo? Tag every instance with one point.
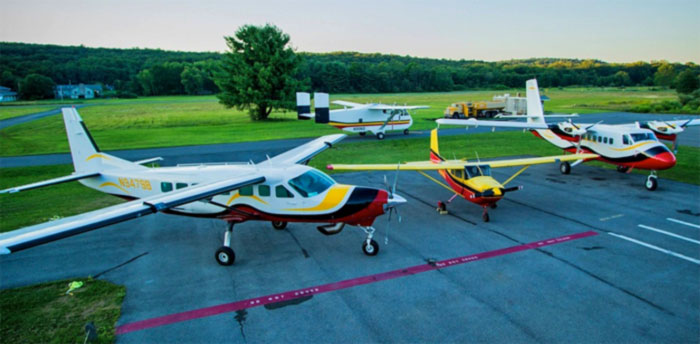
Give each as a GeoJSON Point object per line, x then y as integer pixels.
{"type": "Point", "coordinates": [321, 107]}
{"type": "Point", "coordinates": [663, 128]}
{"type": "Point", "coordinates": [571, 129]}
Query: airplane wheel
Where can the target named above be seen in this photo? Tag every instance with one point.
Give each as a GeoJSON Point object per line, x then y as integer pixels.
{"type": "Point", "coordinates": [405, 131]}
{"type": "Point", "coordinates": [622, 169]}
{"type": "Point", "coordinates": [370, 249]}
{"type": "Point", "coordinates": [380, 136]}
{"type": "Point", "coordinates": [225, 256]}
{"type": "Point", "coordinates": [485, 217]}
{"type": "Point", "coordinates": [494, 206]}
{"type": "Point", "coordinates": [363, 133]}
{"type": "Point", "coordinates": [565, 167]}
{"type": "Point", "coordinates": [279, 225]}
{"type": "Point", "coordinates": [651, 183]}
{"type": "Point", "coordinates": [455, 115]}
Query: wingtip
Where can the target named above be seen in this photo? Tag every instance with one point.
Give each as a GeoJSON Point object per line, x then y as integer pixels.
{"type": "Point", "coordinates": [329, 167]}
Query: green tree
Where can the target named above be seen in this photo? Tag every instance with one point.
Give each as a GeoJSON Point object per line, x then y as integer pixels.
{"type": "Point", "coordinates": [146, 83]}
{"type": "Point", "coordinates": [8, 79]}
{"type": "Point", "coordinates": [36, 86]}
{"type": "Point", "coordinates": [258, 71]}
{"type": "Point", "coordinates": [687, 82]}
{"type": "Point", "coordinates": [191, 79]}
{"type": "Point", "coordinates": [664, 75]}
{"type": "Point", "coordinates": [621, 78]}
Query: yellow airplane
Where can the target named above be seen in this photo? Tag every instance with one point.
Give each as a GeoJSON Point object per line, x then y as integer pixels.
{"type": "Point", "coordinates": [471, 180]}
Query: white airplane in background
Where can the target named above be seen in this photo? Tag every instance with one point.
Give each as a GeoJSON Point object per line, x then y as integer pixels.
{"type": "Point", "coordinates": [357, 118]}
{"type": "Point", "coordinates": [281, 189]}
{"type": "Point", "coordinates": [628, 146]}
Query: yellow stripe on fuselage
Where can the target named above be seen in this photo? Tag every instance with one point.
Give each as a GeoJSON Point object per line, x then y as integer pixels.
{"type": "Point", "coordinates": [333, 198]}
{"type": "Point", "coordinates": [96, 155]}
{"type": "Point", "coordinates": [114, 185]}
{"type": "Point", "coordinates": [632, 147]}
{"type": "Point", "coordinates": [236, 195]}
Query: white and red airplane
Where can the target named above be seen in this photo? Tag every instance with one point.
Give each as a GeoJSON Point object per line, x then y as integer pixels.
{"type": "Point", "coordinates": [357, 118]}
{"type": "Point", "coordinates": [628, 146]}
{"type": "Point", "coordinates": [281, 189]}
{"type": "Point", "coordinates": [470, 180]}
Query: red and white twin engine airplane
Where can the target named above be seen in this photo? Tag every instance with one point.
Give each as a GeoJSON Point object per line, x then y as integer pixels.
{"type": "Point", "coordinates": [280, 190]}
{"type": "Point", "coordinates": [629, 146]}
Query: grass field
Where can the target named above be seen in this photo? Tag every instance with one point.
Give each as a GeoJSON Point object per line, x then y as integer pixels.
{"type": "Point", "coordinates": [43, 313]}
{"type": "Point", "coordinates": [16, 111]}
{"type": "Point", "coordinates": [194, 120]}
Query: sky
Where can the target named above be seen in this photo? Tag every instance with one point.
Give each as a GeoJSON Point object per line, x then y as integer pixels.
{"type": "Point", "coordinates": [612, 31]}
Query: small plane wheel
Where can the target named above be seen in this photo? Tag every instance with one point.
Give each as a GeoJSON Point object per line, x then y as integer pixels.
{"type": "Point", "coordinates": [565, 167]}
{"type": "Point", "coordinates": [370, 249]}
{"type": "Point", "coordinates": [494, 206]}
{"type": "Point", "coordinates": [651, 183]}
{"type": "Point", "coordinates": [225, 256]}
{"type": "Point", "coordinates": [380, 136]}
{"type": "Point", "coordinates": [363, 133]}
{"type": "Point", "coordinates": [455, 115]}
{"type": "Point", "coordinates": [485, 217]}
{"type": "Point", "coordinates": [622, 169]}
{"type": "Point", "coordinates": [405, 131]}
{"type": "Point", "coordinates": [279, 225]}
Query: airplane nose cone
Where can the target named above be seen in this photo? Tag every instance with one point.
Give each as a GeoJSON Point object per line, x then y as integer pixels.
{"type": "Point", "coordinates": [395, 200]}
{"type": "Point", "coordinates": [665, 160]}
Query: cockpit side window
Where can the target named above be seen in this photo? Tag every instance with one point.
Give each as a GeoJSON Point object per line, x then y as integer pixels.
{"type": "Point", "coordinates": [476, 171]}
{"type": "Point", "coordinates": [643, 137]}
{"type": "Point", "coordinates": [282, 192]}
{"type": "Point", "coordinates": [311, 183]}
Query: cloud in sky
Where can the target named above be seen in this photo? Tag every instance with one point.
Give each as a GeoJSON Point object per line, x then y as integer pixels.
{"type": "Point", "coordinates": [615, 31]}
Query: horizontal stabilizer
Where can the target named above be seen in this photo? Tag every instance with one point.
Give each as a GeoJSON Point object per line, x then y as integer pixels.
{"type": "Point", "coordinates": [54, 181]}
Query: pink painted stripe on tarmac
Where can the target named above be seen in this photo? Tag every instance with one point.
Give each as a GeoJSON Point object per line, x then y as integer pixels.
{"type": "Point", "coordinates": [295, 294]}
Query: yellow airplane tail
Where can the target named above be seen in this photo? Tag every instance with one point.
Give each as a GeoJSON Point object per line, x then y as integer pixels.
{"type": "Point", "coordinates": [434, 149]}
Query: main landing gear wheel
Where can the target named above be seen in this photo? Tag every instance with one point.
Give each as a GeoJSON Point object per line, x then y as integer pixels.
{"type": "Point", "coordinates": [279, 225]}
{"type": "Point", "coordinates": [363, 133]}
{"type": "Point", "coordinates": [565, 167]}
{"type": "Point", "coordinates": [622, 169]}
{"type": "Point", "coordinates": [405, 131]}
{"type": "Point", "coordinates": [380, 136]}
{"type": "Point", "coordinates": [370, 249]}
{"type": "Point", "coordinates": [225, 256]}
{"type": "Point", "coordinates": [651, 183]}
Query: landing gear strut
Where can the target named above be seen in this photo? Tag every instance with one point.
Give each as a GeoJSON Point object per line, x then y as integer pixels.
{"type": "Point", "coordinates": [651, 182]}
{"type": "Point", "coordinates": [225, 255]}
{"type": "Point", "coordinates": [369, 246]}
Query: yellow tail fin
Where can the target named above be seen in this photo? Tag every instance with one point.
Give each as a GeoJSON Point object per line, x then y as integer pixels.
{"type": "Point", "coordinates": [434, 149]}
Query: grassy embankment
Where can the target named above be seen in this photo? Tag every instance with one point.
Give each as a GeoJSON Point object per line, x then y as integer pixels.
{"type": "Point", "coordinates": [182, 120]}
{"type": "Point", "coordinates": [43, 313]}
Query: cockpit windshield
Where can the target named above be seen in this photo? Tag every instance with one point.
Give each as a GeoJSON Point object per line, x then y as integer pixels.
{"type": "Point", "coordinates": [311, 183]}
{"type": "Point", "coordinates": [479, 170]}
{"type": "Point", "coordinates": [643, 137]}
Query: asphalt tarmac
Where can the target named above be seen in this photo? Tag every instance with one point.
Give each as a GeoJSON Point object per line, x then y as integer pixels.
{"type": "Point", "coordinates": [635, 281]}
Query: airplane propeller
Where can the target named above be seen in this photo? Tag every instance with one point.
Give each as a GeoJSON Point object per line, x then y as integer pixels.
{"type": "Point", "coordinates": [392, 208]}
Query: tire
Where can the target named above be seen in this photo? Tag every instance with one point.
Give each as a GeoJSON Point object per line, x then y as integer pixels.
{"type": "Point", "coordinates": [372, 249]}
{"type": "Point", "coordinates": [485, 217]}
{"type": "Point", "coordinates": [225, 256]}
{"type": "Point", "coordinates": [279, 225]}
{"type": "Point", "coordinates": [380, 136]}
{"type": "Point", "coordinates": [651, 183]}
{"type": "Point", "coordinates": [363, 133]}
{"type": "Point", "coordinates": [455, 115]}
{"type": "Point", "coordinates": [405, 131]}
{"type": "Point", "coordinates": [622, 169]}
{"type": "Point", "coordinates": [565, 167]}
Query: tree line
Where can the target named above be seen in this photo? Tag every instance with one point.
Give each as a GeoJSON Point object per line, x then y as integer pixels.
{"type": "Point", "coordinates": [160, 72]}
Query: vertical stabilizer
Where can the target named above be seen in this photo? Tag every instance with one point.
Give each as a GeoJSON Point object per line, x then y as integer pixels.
{"type": "Point", "coordinates": [87, 157]}
{"type": "Point", "coordinates": [303, 105]}
{"type": "Point", "coordinates": [434, 149]}
{"type": "Point", "coordinates": [321, 107]}
{"type": "Point", "coordinates": [534, 103]}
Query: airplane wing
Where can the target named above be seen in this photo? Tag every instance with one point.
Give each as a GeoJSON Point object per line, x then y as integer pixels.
{"type": "Point", "coordinates": [305, 152]}
{"type": "Point", "coordinates": [472, 122]}
{"type": "Point", "coordinates": [397, 107]}
{"type": "Point", "coordinates": [684, 122]}
{"type": "Point", "coordinates": [70, 178]}
{"type": "Point", "coordinates": [457, 164]}
{"type": "Point", "coordinates": [50, 231]}
{"type": "Point", "coordinates": [346, 103]}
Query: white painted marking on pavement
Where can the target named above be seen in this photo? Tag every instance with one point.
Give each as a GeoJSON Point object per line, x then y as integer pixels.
{"type": "Point", "coordinates": [677, 255]}
{"type": "Point", "coordinates": [670, 234]}
{"type": "Point", "coordinates": [683, 222]}
{"type": "Point", "coordinates": [611, 217]}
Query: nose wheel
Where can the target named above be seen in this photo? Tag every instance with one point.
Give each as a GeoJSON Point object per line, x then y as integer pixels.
{"type": "Point", "coordinates": [370, 248]}
{"type": "Point", "coordinates": [279, 225]}
{"type": "Point", "coordinates": [651, 184]}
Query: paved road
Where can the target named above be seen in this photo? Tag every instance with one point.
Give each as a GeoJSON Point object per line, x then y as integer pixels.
{"type": "Point", "coordinates": [598, 289]}
{"type": "Point", "coordinates": [243, 152]}
{"type": "Point", "coordinates": [34, 116]}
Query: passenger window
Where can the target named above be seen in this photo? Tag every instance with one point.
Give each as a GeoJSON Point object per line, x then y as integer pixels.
{"type": "Point", "coordinates": [166, 186]}
{"type": "Point", "coordinates": [600, 139]}
{"type": "Point", "coordinates": [246, 191]}
{"type": "Point", "coordinates": [180, 185]}
{"type": "Point", "coordinates": [458, 173]}
{"type": "Point", "coordinates": [264, 190]}
{"type": "Point", "coordinates": [611, 140]}
{"type": "Point", "coordinates": [605, 140]}
{"type": "Point", "coordinates": [282, 192]}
